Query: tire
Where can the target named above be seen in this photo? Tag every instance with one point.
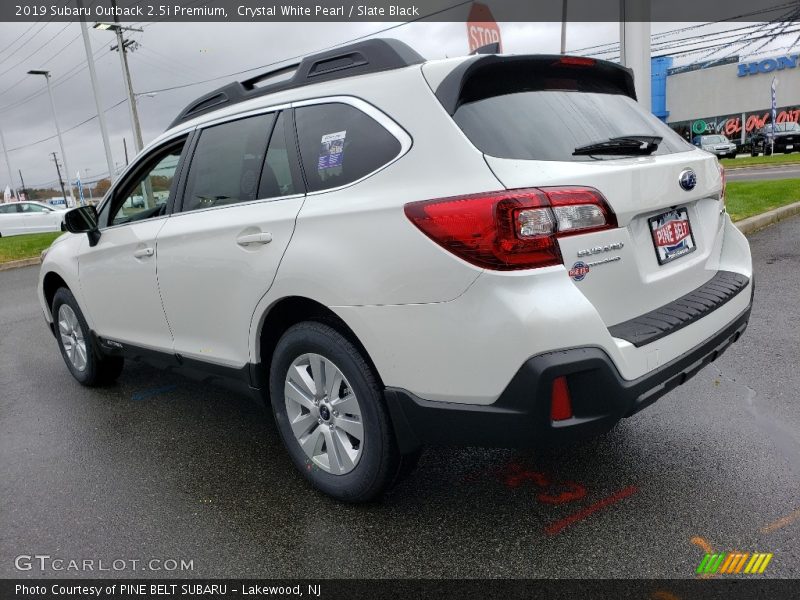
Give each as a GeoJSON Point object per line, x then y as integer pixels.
{"type": "Point", "coordinates": [732, 155]}
{"type": "Point", "coordinates": [767, 151]}
{"type": "Point", "coordinates": [754, 152]}
{"type": "Point", "coordinates": [86, 364]}
{"type": "Point", "coordinates": [357, 470]}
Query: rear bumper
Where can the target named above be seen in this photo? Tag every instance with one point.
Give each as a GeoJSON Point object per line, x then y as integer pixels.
{"type": "Point", "coordinates": [521, 415]}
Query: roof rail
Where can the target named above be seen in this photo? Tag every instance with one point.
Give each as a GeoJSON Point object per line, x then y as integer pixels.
{"type": "Point", "coordinates": [369, 56]}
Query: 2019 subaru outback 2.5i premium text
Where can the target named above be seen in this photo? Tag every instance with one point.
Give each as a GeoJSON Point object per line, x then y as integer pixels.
{"type": "Point", "coordinates": [487, 250]}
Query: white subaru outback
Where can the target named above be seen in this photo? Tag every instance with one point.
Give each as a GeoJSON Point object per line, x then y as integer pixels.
{"type": "Point", "coordinates": [489, 250]}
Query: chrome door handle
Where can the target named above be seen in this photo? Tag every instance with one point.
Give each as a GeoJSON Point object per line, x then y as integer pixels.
{"type": "Point", "coordinates": [262, 237]}
{"type": "Point", "coordinates": [143, 252]}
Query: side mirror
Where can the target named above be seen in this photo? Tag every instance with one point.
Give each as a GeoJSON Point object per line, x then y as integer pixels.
{"type": "Point", "coordinates": [83, 220]}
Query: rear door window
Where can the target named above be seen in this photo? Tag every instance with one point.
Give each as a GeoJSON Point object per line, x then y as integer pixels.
{"type": "Point", "coordinates": [227, 163]}
{"type": "Point", "coordinates": [340, 144]}
{"type": "Point", "coordinates": [281, 174]}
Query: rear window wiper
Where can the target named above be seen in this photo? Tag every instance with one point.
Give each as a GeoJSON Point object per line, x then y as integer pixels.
{"type": "Point", "coordinates": [623, 145]}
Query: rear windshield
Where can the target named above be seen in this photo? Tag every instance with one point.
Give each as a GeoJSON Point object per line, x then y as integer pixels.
{"type": "Point", "coordinates": [549, 125]}
{"type": "Point", "coordinates": [714, 139]}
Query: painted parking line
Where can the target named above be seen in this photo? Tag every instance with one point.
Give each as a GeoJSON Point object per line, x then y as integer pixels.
{"type": "Point", "coordinates": [782, 522]}
{"type": "Point", "coordinates": [562, 524]}
{"type": "Point", "coordinates": [144, 394]}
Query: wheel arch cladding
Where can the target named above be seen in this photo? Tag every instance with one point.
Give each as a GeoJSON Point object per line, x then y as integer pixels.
{"type": "Point", "coordinates": [50, 285]}
{"type": "Point", "coordinates": [291, 310]}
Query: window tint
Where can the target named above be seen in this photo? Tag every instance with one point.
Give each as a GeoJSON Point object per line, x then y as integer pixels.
{"type": "Point", "coordinates": [146, 197]}
{"type": "Point", "coordinates": [8, 209]}
{"type": "Point", "coordinates": [33, 208]}
{"type": "Point", "coordinates": [278, 178]}
{"type": "Point", "coordinates": [549, 125]}
{"type": "Point", "coordinates": [340, 144]}
{"type": "Point", "coordinates": [227, 163]}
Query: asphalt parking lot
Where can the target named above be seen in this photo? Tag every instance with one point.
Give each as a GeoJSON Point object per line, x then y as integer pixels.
{"type": "Point", "coordinates": [159, 467]}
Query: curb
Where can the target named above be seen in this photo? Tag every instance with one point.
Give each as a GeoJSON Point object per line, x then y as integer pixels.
{"type": "Point", "coordinates": [15, 264]}
{"type": "Point", "coordinates": [753, 224]}
{"type": "Point", "coordinates": [764, 166]}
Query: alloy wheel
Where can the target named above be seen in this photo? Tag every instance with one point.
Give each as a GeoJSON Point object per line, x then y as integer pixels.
{"type": "Point", "coordinates": [324, 414]}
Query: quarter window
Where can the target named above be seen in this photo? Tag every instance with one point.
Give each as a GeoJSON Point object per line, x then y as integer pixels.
{"type": "Point", "coordinates": [339, 144]}
{"type": "Point", "coordinates": [227, 163]}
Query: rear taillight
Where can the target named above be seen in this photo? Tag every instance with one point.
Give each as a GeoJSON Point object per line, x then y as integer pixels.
{"type": "Point", "coordinates": [513, 229]}
{"type": "Point", "coordinates": [724, 182]}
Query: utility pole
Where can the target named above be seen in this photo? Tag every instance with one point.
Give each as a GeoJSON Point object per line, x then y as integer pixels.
{"type": "Point", "coordinates": [122, 47]}
{"type": "Point", "coordinates": [125, 148]}
{"type": "Point", "coordinates": [563, 26]}
{"type": "Point", "coordinates": [8, 163]}
{"type": "Point", "coordinates": [101, 116]}
{"type": "Point", "coordinates": [60, 181]}
{"type": "Point", "coordinates": [22, 181]}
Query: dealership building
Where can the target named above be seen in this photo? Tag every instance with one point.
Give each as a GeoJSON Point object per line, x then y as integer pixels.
{"type": "Point", "coordinates": [732, 98]}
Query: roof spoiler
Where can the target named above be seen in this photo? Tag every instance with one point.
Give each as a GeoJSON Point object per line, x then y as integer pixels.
{"type": "Point", "coordinates": [369, 56]}
{"type": "Point", "coordinates": [451, 91]}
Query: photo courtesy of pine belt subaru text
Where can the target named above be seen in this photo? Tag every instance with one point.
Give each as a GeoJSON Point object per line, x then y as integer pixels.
{"type": "Point", "coordinates": [491, 250]}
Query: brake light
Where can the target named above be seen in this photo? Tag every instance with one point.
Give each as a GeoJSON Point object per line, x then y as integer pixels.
{"type": "Point", "coordinates": [512, 229]}
{"type": "Point", "coordinates": [560, 401]}
{"type": "Point", "coordinates": [576, 61]}
{"type": "Point", "coordinates": [724, 181]}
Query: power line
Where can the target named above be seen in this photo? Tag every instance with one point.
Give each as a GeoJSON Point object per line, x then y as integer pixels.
{"type": "Point", "coordinates": [20, 36]}
{"type": "Point", "coordinates": [297, 56]}
{"type": "Point", "coordinates": [68, 74]}
{"type": "Point", "coordinates": [81, 124]}
{"type": "Point", "coordinates": [35, 51]}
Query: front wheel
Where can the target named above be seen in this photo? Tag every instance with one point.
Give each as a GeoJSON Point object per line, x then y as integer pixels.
{"type": "Point", "coordinates": [83, 360]}
{"type": "Point", "coordinates": [331, 414]}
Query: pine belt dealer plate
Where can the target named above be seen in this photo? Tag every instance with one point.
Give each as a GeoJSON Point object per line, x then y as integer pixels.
{"type": "Point", "coordinates": [672, 235]}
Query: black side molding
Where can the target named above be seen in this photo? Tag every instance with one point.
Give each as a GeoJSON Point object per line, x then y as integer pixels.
{"type": "Point", "coordinates": [687, 309]}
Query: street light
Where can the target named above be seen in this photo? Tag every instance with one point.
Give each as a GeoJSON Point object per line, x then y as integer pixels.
{"type": "Point", "coordinates": [123, 56]}
{"type": "Point", "coordinates": [58, 129]}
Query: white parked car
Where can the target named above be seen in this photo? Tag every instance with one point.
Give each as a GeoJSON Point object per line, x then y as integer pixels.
{"type": "Point", "coordinates": [17, 218]}
{"type": "Point", "coordinates": [488, 250]}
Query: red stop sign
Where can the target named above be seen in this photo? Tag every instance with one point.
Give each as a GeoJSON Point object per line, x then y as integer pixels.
{"type": "Point", "coordinates": [482, 29]}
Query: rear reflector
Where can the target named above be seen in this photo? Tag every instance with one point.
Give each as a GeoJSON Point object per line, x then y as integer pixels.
{"type": "Point", "coordinates": [512, 229]}
{"type": "Point", "coordinates": [560, 402]}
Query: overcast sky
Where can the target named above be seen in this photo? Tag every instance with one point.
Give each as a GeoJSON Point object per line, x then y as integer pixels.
{"type": "Point", "coordinates": [173, 54]}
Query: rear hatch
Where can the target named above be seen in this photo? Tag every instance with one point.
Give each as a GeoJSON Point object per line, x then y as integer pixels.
{"type": "Point", "coordinates": [528, 115]}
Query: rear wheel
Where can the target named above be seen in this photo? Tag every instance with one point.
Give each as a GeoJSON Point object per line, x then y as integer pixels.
{"type": "Point", "coordinates": [83, 360]}
{"type": "Point", "coordinates": [331, 415]}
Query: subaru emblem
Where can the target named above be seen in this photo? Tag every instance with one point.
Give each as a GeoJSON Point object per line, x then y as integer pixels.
{"type": "Point", "coordinates": [687, 179]}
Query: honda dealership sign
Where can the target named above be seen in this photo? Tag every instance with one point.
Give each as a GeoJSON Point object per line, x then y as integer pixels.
{"type": "Point", "coordinates": [768, 65]}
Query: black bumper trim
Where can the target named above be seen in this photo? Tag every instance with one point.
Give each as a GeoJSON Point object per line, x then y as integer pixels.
{"type": "Point", "coordinates": [521, 415]}
{"type": "Point", "coordinates": [687, 309]}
